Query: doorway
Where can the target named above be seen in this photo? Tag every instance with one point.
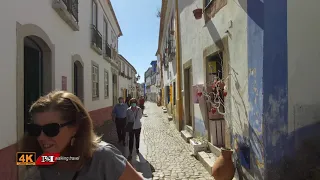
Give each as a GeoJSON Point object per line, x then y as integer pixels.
{"type": "Point", "coordinates": [37, 72]}
{"type": "Point", "coordinates": [115, 88]}
{"type": "Point", "coordinates": [214, 66]}
{"type": "Point", "coordinates": [188, 96]}
{"type": "Point", "coordinates": [33, 83]}
{"type": "Point", "coordinates": [78, 80]}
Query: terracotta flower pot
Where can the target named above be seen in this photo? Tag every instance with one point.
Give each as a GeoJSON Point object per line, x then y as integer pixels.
{"type": "Point", "coordinates": [197, 13]}
{"type": "Point", "coordinates": [223, 168]}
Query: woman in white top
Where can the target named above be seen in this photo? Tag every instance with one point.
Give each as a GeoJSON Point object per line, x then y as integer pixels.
{"type": "Point", "coordinates": [134, 115]}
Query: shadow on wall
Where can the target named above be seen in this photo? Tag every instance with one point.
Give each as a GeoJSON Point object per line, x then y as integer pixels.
{"type": "Point", "coordinates": [302, 155]}
{"type": "Point", "coordinates": [255, 11]}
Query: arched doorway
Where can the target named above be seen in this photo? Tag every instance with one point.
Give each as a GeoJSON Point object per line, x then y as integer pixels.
{"type": "Point", "coordinates": [78, 80]}
{"type": "Point", "coordinates": [36, 71]}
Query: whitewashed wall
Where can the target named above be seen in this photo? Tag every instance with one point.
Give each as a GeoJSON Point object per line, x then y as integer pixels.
{"type": "Point", "coordinates": [67, 42]}
{"type": "Point", "coordinates": [303, 63]}
{"type": "Point", "coordinates": [196, 35]}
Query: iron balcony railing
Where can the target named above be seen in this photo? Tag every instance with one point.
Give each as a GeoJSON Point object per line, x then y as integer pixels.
{"type": "Point", "coordinates": [96, 37]}
{"type": "Point", "coordinates": [107, 50]}
{"type": "Point", "coordinates": [72, 7]}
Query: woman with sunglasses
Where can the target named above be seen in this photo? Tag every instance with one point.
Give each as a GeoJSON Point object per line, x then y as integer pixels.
{"type": "Point", "coordinates": [60, 124]}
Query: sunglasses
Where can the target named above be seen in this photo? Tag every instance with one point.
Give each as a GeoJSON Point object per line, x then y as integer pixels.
{"type": "Point", "coordinates": [50, 130]}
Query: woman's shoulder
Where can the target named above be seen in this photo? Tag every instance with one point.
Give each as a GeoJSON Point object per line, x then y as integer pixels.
{"type": "Point", "coordinates": [111, 159]}
{"type": "Point", "coordinates": [105, 149]}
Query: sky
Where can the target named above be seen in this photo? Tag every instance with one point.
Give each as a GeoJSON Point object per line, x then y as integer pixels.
{"type": "Point", "coordinates": [140, 28]}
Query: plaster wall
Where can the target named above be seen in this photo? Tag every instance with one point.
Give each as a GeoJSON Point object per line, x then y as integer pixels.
{"type": "Point", "coordinates": [196, 36]}
{"type": "Point", "coordinates": [67, 43]}
{"type": "Point", "coordinates": [303, 63]}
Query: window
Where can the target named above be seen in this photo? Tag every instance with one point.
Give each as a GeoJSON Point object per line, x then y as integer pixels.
{"type": "Point", "coordinates": [113, 39]}
{"type": "Point", "coordinates": [207, 2]}
{"type": "Point", "coordinates": [94, 13]}
{"type": "Point", "coordinates": [106, 84]}
{"type": "Point", "coordinates": [128, 70]}
{"type": "Point", "coordinates": [95, 81]}
{"type": "Point", "coordinates": [172, 23]}
{"type": "Point", "coordinates": [123, 67]}
{"type": "Point", "coordinates": [105, 31]}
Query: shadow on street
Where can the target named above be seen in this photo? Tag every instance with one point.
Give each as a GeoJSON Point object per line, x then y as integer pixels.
{"type": "Point", "coordinates": [108, 134]}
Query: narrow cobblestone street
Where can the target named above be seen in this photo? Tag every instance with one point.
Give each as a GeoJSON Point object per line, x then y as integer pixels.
{"type": "Point", "coordinates": [167, 152]}
{"type": "Point", "coordinates": [164, 154]}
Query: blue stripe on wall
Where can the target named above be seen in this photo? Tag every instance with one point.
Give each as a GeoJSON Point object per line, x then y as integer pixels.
{"type": "Point", "coordinates": [275, 83]}
{"type": "Point", "coordinates": [255, 11]}
{"type": "Point", "coordinates": [267, 83]}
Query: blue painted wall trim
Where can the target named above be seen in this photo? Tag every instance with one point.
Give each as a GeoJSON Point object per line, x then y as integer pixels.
{"type": "Point", "coordinates": [255, 11]}
{"type": "Point", "coordinates": [268, 80]}
{"type": "Point", "coordinates": [275, 84]}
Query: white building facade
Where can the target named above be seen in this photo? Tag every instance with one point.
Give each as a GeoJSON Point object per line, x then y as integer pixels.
{"type": "Point", "coordinates": [127, 78]}
{"type": "Point", "coordinates": [60, 45]}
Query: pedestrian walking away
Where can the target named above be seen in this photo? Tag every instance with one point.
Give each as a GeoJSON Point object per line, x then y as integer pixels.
{"type": "Point", "coordinates": [141, 104]}
{"type": "Point", "coordinates": [119, 114]}
{"type": "Point", "coordinates": [134, 115]}
{"type": "Point", "coordinates": [128, 98]}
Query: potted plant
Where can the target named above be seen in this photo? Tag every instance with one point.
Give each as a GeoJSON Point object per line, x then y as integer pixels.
{"type": "Point", "coordinates": [199, 144]}
{"type": "Point", "coordinates": [197, 13]}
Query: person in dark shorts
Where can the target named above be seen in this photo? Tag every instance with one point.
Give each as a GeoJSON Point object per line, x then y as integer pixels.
{"type": "Point", "coordinates": [119, 115]}
{"type": "Point", "coordinates": [141, 103]}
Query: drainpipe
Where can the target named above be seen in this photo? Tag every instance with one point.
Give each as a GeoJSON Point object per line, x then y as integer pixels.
{"type": "Point", "coordinates": [179, 97]}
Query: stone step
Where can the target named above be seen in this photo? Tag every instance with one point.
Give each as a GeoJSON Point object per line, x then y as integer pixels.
{"type": "Point", "coordinates": [186, 135]}
{"type": "Point", "coordinates": [189, 129]}
{"type": "Point", "coordinates": [170, 118]}
{"type": "Point", "coordinates": [207, 160]}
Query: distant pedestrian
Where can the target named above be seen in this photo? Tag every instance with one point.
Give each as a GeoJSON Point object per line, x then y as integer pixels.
{"type": "Point", "coordinates": [119, 115]}
{"type": "Point", "coordinates": [134, 115]}
{"type": "Point", "coordinates": [141, 103]}
{"type": "Point", "coordinates": [128, 100]}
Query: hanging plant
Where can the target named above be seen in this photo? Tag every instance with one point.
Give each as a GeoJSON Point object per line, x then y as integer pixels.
{"type": "Point", "coordinates": [197, 13]}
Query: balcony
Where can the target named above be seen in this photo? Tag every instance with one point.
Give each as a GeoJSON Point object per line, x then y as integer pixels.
{"type": "Point", "coordinates": [96, 39]}
{"type": "Point", "coordinates": [68, 11]}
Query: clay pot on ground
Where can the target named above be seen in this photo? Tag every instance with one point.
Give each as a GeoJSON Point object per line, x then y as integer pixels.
{"type": "Point", "coordinates": [223, 168]}
{"type": "Point", "coordinates": [197, 13]}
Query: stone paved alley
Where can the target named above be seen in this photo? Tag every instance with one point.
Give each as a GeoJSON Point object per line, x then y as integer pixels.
{"type": "Point", "coordinates": [164, 154]}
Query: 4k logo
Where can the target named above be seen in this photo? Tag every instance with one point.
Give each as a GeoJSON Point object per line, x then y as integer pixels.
{"type": "Point", "coordinates": [26, 158]}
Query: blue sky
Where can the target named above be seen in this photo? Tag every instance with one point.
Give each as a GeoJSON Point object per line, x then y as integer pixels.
{"type": "Point", "coordinates": [140, 28]}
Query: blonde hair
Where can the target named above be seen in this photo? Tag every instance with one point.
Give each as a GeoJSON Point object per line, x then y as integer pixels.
{"type": "Point", "coordinates": [70, 108]}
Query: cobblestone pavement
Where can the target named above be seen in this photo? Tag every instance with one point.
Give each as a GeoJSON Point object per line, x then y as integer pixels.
{"type": "Point", "coordinates": [168, 154]}
{"type": "Point", "coordinates": [164, 154]}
